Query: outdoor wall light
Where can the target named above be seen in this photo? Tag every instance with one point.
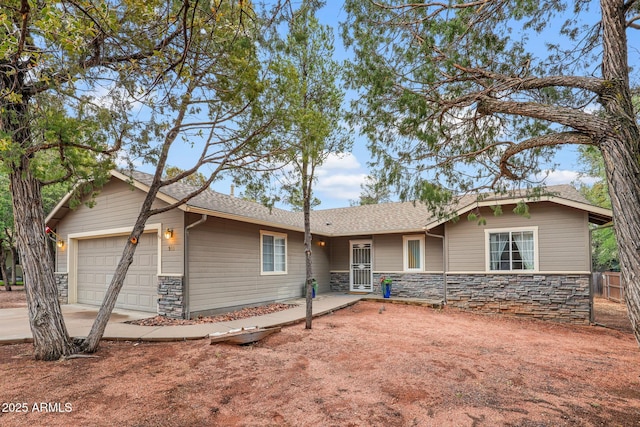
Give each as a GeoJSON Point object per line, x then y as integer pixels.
{"type": "Point", "coordinates": [321, 243]}
{"type": "Point", "coordinates": [168, 233]}
{"type": "Point", "coordinates": [60, 244]}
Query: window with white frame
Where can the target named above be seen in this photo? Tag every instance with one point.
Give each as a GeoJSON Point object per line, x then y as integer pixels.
{"type": "Point", "coordinates": [512, 250]}
{"type": "Point", "coordinates": [273, 252]}
{"type": "Point", "coordinates": [413, 253]}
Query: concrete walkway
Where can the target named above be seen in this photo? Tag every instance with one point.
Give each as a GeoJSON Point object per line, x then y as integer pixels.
{"type": "Point", "coordinates": [14, 322]}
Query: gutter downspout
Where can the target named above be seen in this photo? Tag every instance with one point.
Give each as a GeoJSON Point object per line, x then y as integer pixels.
{"type": "Point", "coordinates": [609, 224]}
{"type": "Point", "coordinates": [185, 286]}
{"type": "Point", "coordinates": [444, 262]}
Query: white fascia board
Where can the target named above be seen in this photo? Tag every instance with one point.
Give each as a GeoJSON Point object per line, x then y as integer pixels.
{"type": "Point", "coordinates": [60, 204]}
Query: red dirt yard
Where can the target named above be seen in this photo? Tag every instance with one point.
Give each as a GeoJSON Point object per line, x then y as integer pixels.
{"type": "Point", "coordinates": [361, 366]}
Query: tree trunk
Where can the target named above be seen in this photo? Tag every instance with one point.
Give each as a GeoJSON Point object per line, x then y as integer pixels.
{"type": "Point", "coordinates": [620, 147]}
{"type": "Point", "coordinates": [3, 269]}
{"type": "Point", "coordinates": [308, 263]}
{"type": "Point", "coordinates": [307, 182]}
{"type": "Point", "coordinates": [50, 337]}
{"type": "Point", "coordinates": [622, 162]}
{"type": "Point", "coordinates": [14, 264]}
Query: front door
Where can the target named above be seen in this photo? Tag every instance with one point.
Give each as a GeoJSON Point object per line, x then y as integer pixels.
{"type": "Point", "coordinates": [361, 266]}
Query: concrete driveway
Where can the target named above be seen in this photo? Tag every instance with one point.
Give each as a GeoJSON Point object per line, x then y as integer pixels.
{"type": "Point", "coordinates": [14, 322]}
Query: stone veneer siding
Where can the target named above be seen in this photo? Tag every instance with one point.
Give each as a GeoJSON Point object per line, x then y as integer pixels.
{"type": "Point", "coordinates": [62, 284]}
{"type": "Point", "coordinates": [404, 285]}
{"type": "Point", "coordinates": [557, 297]}
{"type": "Point", "coordinates": [339, 281]}
{"type": "Point", "coordinates": [412, 285]}
{"type": "Point", "coordinates": [171, 297]}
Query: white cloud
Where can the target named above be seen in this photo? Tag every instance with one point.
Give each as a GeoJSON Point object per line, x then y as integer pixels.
{"type": "Point", "coordinates": [340, 161]}
{"type": "Point", "coordinates": [340, 186]}
{"type": "Point", "coordinates": [564, 177]}
{"type": "Point", "coordinates": [339, 180]}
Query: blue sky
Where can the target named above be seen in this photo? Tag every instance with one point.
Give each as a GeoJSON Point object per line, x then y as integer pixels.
{"type": "Point", "coordinates": [340, 177]}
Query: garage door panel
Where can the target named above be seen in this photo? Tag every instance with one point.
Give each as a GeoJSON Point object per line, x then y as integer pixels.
{"type": "Point", "coordinates": [145, 300]}
{"type": "Point", "coordinates": [97, 260]}
{"type": "Point", "coordinates": [144, 281]}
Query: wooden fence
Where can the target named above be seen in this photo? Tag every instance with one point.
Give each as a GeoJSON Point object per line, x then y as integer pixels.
{"type": "Point", "coordinates": [607, 285]}
{"type": "Point", "coordinates": [612, 288]}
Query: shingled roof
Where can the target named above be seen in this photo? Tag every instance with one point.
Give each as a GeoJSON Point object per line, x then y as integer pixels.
{"type": "Point", "coordinates": [218, 204]}
{"type": "Point", "coordinates": [397, 217]}
{"type": "Point", "coordinates": [416, 217]}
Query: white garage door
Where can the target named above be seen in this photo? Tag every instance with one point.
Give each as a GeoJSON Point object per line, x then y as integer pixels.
{"type": "Point", "coordinates": [97, 261]}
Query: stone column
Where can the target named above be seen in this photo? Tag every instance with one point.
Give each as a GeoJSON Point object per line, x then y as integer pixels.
{"type": "Point", "coordinates": [171, 297]}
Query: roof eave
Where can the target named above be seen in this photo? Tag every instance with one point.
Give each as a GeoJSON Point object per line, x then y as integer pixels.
{"type": "Point", "coordinates": [246, 219]}
{"type": "Point", "coordinates": [599, 213]}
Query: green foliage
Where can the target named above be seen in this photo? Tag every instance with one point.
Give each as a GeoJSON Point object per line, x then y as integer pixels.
{"type": "Point", "coordinates": [306, 78]}
{"type": "Point", "coordinates": [196, 179]}
{"type": "Point", "coordinates": [114, 76]}
{"type": "Point", "coordinates": [6, 210]}
{"type": "Point", "coordinates": [451, 92]}
{"type": "Point", "coordinates": [88, 83]}
{"type": "Point", "coordinates": [497, 210]}
{"type": "Point", "coordinates": [522, 209]}
{"type": "Point", "coordinates": [477, 217]}
{"type": "Point", "coordinates": [604, 245]}
{"type": "Point", "coordinates": [374, 191]}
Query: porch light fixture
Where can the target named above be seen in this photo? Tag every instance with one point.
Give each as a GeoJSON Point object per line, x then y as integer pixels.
{"type": "Point", "coordinates": [168, 233]}
{"type": "Point", "coordinates": [321, 243]}
{"type": "Point", "coordinates": [60, 244]}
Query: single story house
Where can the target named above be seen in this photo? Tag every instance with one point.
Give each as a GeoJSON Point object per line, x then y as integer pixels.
{"type": "Point", "coordinates": [219, 252]}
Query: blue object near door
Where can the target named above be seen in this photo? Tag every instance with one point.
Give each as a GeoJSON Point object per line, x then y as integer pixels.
{"type": "Point", "coordinates": [387, 291]}
{"type": "Point", "coordinates": [386, 287]}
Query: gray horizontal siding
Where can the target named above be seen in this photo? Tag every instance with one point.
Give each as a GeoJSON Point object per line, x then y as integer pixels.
{"type": "Point", "coordinates": [433, 254]}
{"type": "Point", "coordinates": [433, 249]}
{"type": "Point", "coordinates": [339, 254]}
{"type": "Point", "coordinates": [224, 267]}
{"type": "Point", "coordinates": [563, 238]}
{"type": "Point", "coordinates": [387, 252]}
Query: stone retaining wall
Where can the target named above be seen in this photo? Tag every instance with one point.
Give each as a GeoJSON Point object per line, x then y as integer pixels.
{"type": "Point", "coordinates": [171, 297]}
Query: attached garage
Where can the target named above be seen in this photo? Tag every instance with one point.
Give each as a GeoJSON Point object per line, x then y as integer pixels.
{"type": "Point", "coordinates": [97, 261]}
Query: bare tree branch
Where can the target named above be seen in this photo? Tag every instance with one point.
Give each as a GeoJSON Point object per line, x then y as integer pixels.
{"type": "Point", "coordinates": [25, 10]}
{"type": "Point", "coordinates": [578, 120]}
{"type": "Point", "coordinates": [592, 84]}
{"type": "Point", "coordinates": [553, 139]}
